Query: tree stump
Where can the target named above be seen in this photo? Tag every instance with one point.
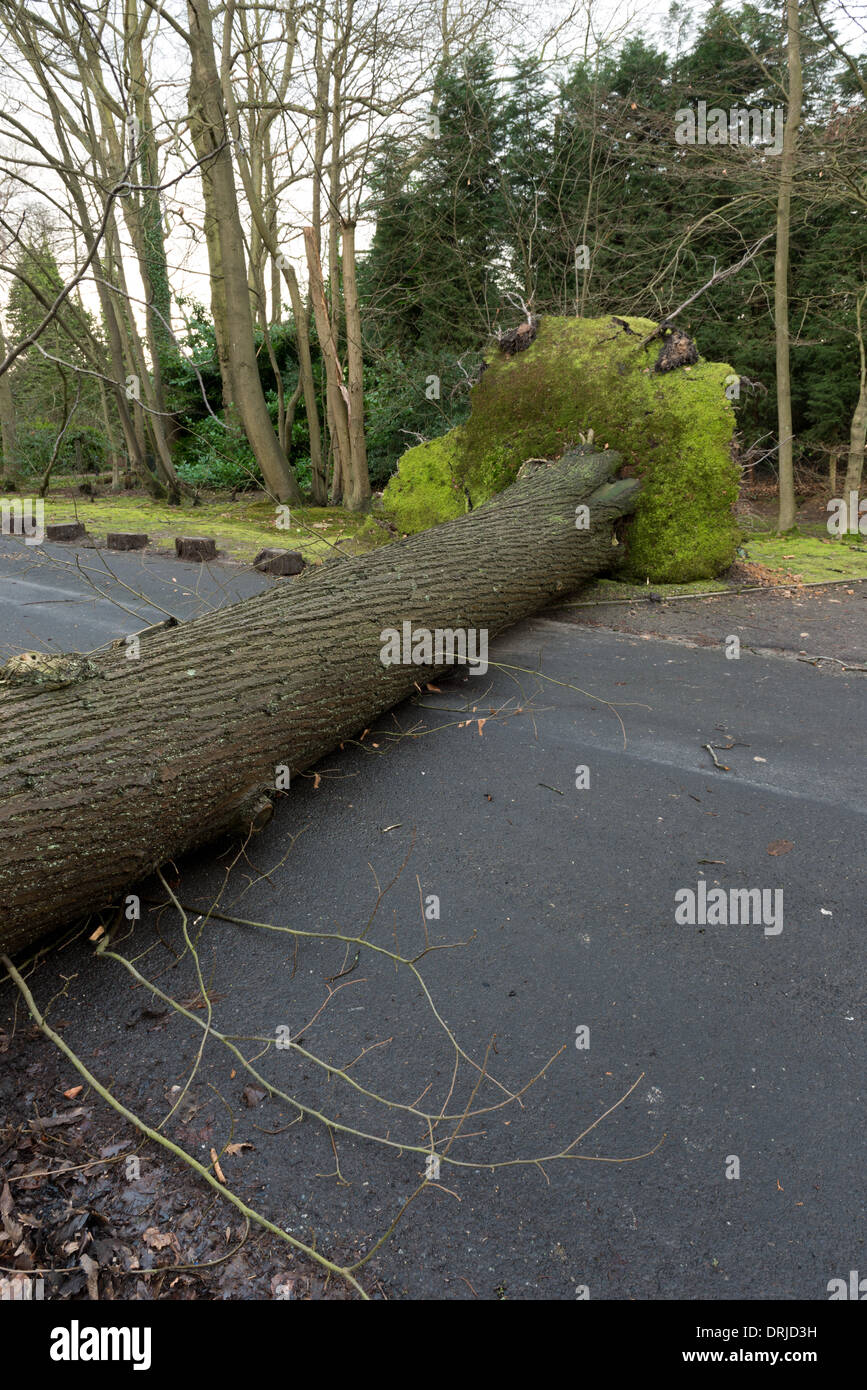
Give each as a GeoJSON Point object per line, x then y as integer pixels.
{"type": "Point", "coordinates": [280, 562]}
{"type": "Point", "coordinates": [65, 531]}
{"type": "Point", "coordinates": [195, 548]}
{"type": "Point", "coordinates": [126, 540]}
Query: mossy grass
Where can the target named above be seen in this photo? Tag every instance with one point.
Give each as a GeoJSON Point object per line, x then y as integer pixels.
{"type": "Point", "coordinates": [241, 527]}
{"type": "Point", "coordinates": [810, 558]}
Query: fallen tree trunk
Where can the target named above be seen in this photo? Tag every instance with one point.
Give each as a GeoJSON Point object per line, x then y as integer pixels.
{"type": "Point", "coordinates": [133, 762]}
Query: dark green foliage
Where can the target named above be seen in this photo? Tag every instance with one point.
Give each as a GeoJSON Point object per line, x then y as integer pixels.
{"type": "Point", "coordinates": [213, 455]}
{"type": "Point", "coordinates": [209, 452]}
{"type": "Point", "coordinates": [428, 281]}
{"type": "Point", "coordinates": [83, 450]}
{"type": "Point", "coordinates": [402, 405]}
{"type": "Point", "coordinates": [46, 382]}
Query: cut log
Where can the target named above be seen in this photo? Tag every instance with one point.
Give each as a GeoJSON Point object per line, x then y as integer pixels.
{"type": "Point", "coordinates": [280, 562]}
{"type": "Point", "coordinates": [195, 548]}
{"type": "Point", "coordinates": [65, 531]}
{"type": "Point", "coordinates": [111, 776]}
{"type": "Point", "coordinates": [126, 540]}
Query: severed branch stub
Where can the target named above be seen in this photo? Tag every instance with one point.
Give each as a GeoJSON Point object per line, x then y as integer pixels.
{"type": "Point", "coordinates": [517, 339]}
{"type": "Point", "coordinates": [253, 813]}
{"type": "Point", "coordinates": [678, 350]}
{"type": "Point", "coordinates": [36, 672]}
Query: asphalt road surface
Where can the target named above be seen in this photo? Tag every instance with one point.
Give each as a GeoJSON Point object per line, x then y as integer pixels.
{"type": "Point", "coordinates": [734, 1166]}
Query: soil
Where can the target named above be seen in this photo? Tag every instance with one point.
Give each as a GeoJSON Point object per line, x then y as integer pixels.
{"type": "Point", "coordinates": [74, 1215]}
{"type": "Point", "coordinates": [826, 625]}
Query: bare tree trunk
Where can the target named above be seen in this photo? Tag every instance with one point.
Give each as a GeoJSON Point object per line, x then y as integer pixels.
{"type": "Point", "coordinates": [168, 752]}
{"type": "Point", "coordinates": [114, 455]}
{"type": "Point", "coordinates": [318, 489]}
{"type": "Point", "coordinates": [264, 215]}
{"type": "Point", "coordinates": [273, 238]}
{"type": "Point", "coordinates": [154, 419]}
{"type": "Point", "coordinates": [225, 238]}
{"type": "Point", "coordinates": [134, 445]}
{"type": "Point", "coordinates": [8, 428]}
{"type": "Point", "coordinates": [357, 486]}
{"type": "Point", "coordinates": [334, 199]}
{"type": "Point", "coordinates": [788, 509]}
{"type": "Point", "coordinates": [145, 219]}
{"type": "Point", "coordinates": [858, 429]}
{"type": "Point", "coordinates": [338, 397]}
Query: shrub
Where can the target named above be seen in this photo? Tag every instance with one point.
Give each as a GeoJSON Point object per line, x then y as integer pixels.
{"type": "Point", "coordinates": [214, 455]}
{"type": "Point", "coordinates": [83, 450]}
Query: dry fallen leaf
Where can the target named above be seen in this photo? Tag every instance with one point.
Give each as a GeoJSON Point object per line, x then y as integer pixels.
{"type": "Point", "coordinates": [10, 1225]}
{"type": "Point", "coordinates": [73, 1092]}
{"type": "Point", "coordinates": [91, 1270]}
{"type": "Point", "coordinates": [52, 1121]}
{"type": "Point", "coordinates": [780, 846]}
{"type": "Point", "coordinates": [237, 1148]}
{"type": "Point", "coordinates": [112, 1150]}
{"type": "Point", "coordinates": [155, 1239]}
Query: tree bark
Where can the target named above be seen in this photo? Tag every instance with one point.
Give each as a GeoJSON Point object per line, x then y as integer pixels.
{"type": "Point", "coordinates": [858, 427]}
{"type": "Point", "coordinates": [300, 315]}
{"type": "Point", "coordinates": [8, 428]}
{"type": "Point", "coordinates": [338, 396]}
{"type": "Point", "coordinates": [144, 215]}
{"type": "Point", "coordinates": [788, 508]}
{"type": "Point", "coordinates": [357, 487]}
{"type": "Point", "coordinates": [107, 778]}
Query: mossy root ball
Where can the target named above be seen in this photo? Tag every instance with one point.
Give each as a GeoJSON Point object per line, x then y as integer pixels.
{"type": "Point", "coordinates": [673, 428]}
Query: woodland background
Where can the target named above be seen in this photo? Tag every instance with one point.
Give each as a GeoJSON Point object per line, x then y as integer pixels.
{"type": "Point", "coordinates": [165, 314]}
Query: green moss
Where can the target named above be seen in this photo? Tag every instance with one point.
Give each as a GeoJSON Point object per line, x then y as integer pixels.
{"type": "Point", "coordinates": [673, 429]}
{"type": "Point", "coordinates": [427, 485]}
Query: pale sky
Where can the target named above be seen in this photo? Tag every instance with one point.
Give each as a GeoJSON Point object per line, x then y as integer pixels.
{"type": "Point", "coordinates": [570, 29]}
